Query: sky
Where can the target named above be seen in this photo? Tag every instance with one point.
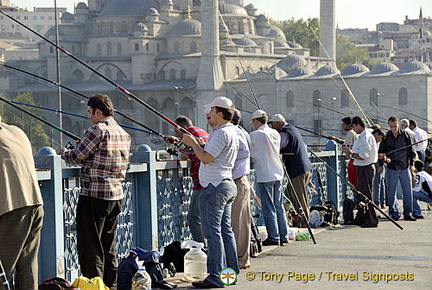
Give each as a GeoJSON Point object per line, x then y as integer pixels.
{"type": "Point", "coordinates": [349, 13]}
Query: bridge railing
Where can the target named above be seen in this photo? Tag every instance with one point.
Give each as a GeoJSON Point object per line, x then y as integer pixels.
{"type": "Point", "coordinates": [157, 197]}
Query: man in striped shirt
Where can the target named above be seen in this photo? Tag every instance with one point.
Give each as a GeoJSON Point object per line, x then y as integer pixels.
{"type": "Point", "coordinates": [103, 154]}
{"type": "Point", "coordinates": [194, 218]}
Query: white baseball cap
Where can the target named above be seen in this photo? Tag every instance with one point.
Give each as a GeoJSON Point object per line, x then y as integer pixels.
{"type": "Point", "coordinates": [221, 102]}
{"type": "Point", "coordinates": [277, 118]}
{"type": "Point", "coordinates": [258, 114]}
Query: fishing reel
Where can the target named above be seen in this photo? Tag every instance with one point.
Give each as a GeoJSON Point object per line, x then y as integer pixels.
{"type": "Point", "coordinates": [172, 149]}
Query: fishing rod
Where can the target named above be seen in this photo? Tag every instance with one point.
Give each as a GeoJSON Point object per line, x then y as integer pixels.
{"type": "Point", "coordinates": [67, 133]}
{"type": "Point", "coordinates": [240, 62]}
{"type": "Point", "coordinates": [80, 116]}
{"type": "Point", "coordinates": [81, 95]}
{"type": "Point", "coordinates": [116, 85]}
{"type": "Point", "coordinates": [366, 199]}
{"type": "Point", "coordinates": [407, 146]}
{"type": "Point", "coordinates": [397, 109]}
{"type": "Point", "coordinates": [350, 93]}
{"type": "Point", "coordinates": [240, 93]}
{"type": "Point", "coordinates": [320, 135]}
{"type": "Point", "coordinates": [320, 106]}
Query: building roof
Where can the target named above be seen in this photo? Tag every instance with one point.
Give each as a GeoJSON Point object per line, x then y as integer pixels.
{"type": "Point", "coordinates": [327, 70]}
{"type": "Point", "coordinates": [186, 27]}
{"type": "Point", "coordinates": [354, 69]}
{"type": "Point", "coordinates": [231, 9]}
{"type": "Point", "coordinates": [414, 67]}
{"type": "Point", "coordinates": [129, 8]}
{"type": "Point", "coordinates": [384, 67]}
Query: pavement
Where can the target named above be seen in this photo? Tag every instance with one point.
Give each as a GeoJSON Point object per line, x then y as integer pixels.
{"type": "Point", "coordinates": [345, 257]}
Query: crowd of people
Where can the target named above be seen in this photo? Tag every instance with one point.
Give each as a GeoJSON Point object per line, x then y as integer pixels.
{"type": "Point", "coordinates": [221, 160]}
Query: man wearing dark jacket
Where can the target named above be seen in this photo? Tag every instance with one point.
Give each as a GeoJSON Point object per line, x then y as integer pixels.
{"type": "Point", "coordinates": [399, 167]}
{"type": "Point", "coordinates": [296, 162]}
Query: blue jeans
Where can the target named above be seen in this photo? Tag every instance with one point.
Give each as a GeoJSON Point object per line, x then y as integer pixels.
{"type": "Point", "coordinates": [194, 217]}
{"type": "Point", "coordinates": [215, 207]}
{"type": "Point", "coordinates": [379, 187]}
{"type": "Point", "coordinates": [419, 196]}
{"type": "Point", "coordinates": [273, 211]}
{"type": "Point", "coordinates": [392, 177]}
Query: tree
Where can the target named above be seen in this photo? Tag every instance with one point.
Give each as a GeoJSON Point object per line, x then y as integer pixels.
{"type": "Point", "coordinates": [31, 126]}
{"type": "Point", "coordinates": [347, 53]}
{"type": "Point", "coordinates": [300, 31]}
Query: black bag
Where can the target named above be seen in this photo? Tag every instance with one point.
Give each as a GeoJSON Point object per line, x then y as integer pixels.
{"type": "Point", "coordinates": [173, 258]}
{"type": "Point", "coordinates": [56, 283]}
{"type": "Point", "coordinates": [332, 214]}
{"type": "Point", "coordinates": [348, 210]}
{"type": "Point", "coordinates": [255, 243]}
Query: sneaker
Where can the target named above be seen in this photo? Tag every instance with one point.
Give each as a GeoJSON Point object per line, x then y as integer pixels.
{"type": "Point", "coordinates": [418, 216]}
{"type": "Point", "coordinates": [267, 242]}
{"type": "Point", "coordinates": [409, 218]}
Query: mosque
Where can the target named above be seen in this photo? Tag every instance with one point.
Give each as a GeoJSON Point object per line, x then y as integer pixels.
{"type": "Point", "coordinates": [177, 55]}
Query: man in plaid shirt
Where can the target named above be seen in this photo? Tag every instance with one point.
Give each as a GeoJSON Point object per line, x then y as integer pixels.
{"type": "Point", "coordinates": [103, 154]}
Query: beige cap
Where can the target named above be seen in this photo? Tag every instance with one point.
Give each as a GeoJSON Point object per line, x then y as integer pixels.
{"type": "Point", "coordinates": [221, 102]}
{"type": "Point", "coordinates": [258, 114]}
{"type": "Point", "coordinates": [277, 118]}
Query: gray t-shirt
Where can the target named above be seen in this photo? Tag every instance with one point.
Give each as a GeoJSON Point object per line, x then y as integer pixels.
{"type": "Point", "coordinates": [223, 145]}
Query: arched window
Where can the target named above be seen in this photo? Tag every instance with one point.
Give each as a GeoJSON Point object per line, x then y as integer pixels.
{"type": "Point", "coordinates": [120, 76]}
{"type": "Point", "coordinates": [240, 27]}
{"type": "Point", "coordinates": [316, 98]}
{"type": "Point", "coordinates": [99, 49]}
{"type": "Point", "coordinates": [108, 73]}
{"type": "Point", "coordinates": [345, 98]}
{"type": "Point", "coordinates": [373, 97]}
{"type": "Point", "coordinates": [136, 46]}
{"type": "Point", "coordinates": [77, 75]}
{"type": "Point", "coordinates": [147, 46]}
{"type": "Point", "coordinates": [176, 47]}
{"type": "Point", "coordinates": [183, 74]}
{"type": "Point", "coordinates": [119, 49]}
{"type": "Point", "coordinates": [193, 47]}
{"type": "Point", "coordinates": [162, 75]}
{"type": "Point", "coordinates": [111, 27]}
{"type": "Point", "coordinates": [109, 48]}
{"type": "Point", "coordinates": [237, 70]}
{"type": "Point", "coordinates": [403, 97]}
{"type": "Point", "coordinates": [290, 99]}
{"type": "Point", "coordinates": [172, 74]}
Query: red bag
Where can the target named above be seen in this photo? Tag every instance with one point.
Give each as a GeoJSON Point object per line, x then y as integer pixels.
{"type": "Point", "coordinates": [56, 283]}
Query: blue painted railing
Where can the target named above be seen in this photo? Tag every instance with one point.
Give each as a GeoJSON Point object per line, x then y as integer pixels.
{"type": "Point", "coordinates": [157, 196]}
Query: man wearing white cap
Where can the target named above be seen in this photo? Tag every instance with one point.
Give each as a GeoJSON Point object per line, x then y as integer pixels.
{"type": "Point", "coordinates": [296, 162]}
{"type": "Point", "coordinates": [265, 143]}
{"type": "Point", "coordinates": [219, 190]}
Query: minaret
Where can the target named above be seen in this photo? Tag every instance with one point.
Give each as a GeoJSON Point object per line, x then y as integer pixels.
{"type": "Point", "coordinates": [421, 24]}
{"type": "Point", "coordinates": [328, 29]}
{"type": "Point", "coordinates": [210, 76]}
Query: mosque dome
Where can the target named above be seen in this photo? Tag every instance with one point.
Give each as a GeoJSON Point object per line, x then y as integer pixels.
{"type": "Point", "coordinates": [67, 16]}
{"type": "Point", "coordinates": [300, 71]}
{"type": "Point", "coordinates": [186, 27]}
{"type": "Point", "coordinates": [326, 70]}
{"type": "Point", "coordinates": [276, 32]}
{"type": "Point", "coordinates": [414, 66]}
{"type": "Point", "coordinates": [231, 9]}
{"type": "Point", "coordinates": [354, 68]}
{"type": "Point", "coordinates": [384, 67]}
{"type": "Point", "coordinates": [82, 5]}
{"type": "Point", "coordinates": [245, 41]}
{"type": "Point", "coordinates": [129, 8]}
{"type": "Point", "coordinates": [291, 61]}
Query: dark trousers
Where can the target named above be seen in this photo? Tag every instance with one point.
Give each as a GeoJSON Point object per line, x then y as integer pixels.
{"type": "Point", "coordinates": [96, 233]}
{"type": "Point", "coordinates": [19, 245]}
{"type": "Point", "coordinates": [365, 176]}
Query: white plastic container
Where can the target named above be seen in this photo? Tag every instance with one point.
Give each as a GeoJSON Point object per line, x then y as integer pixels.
{"type": "Point", "coordinates": [195, 262]}
{"type": "Point", "coordinates": [292, 234]}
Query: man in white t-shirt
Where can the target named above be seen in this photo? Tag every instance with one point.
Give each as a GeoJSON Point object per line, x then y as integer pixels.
{"type": "Point", "coordinates": [422, 189]}
{"type": "Point", "coordinates": [420, 135]}
{"type": "Point", "coordinates": [219, 190]}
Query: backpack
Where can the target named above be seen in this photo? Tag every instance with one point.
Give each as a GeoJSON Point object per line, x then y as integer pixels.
{"type": "Point", "coordinates": [56, 283]}
{"type": "Point", "coordinates": [348, 210]}
{"type": "Point", "coordinates": [255, 242]}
